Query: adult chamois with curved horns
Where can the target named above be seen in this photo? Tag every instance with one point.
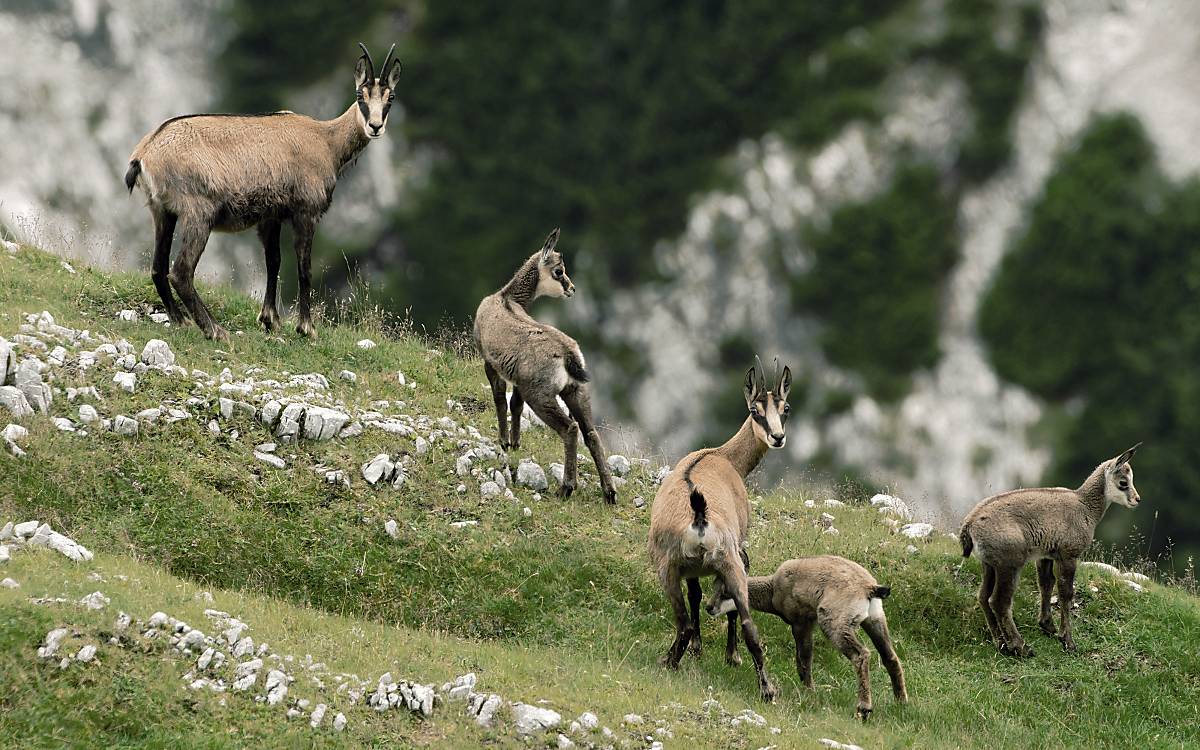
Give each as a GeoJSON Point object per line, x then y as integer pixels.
{"type": "Point", "coordinates": [701, 516]}
{"type": "Point", "coordinates": [212, 172]}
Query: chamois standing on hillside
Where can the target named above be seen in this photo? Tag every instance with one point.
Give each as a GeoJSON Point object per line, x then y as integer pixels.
{"type": "Point", "coordinates": [700, 520]}
{"type": "Point", "coordinates": [541, 362]}
{"type": "Point", "coordinates": [837, 594]}
{"type": "Point", "coordinates": [1050, 525]}
{"type": "Point", "coordinates": [227, 173]}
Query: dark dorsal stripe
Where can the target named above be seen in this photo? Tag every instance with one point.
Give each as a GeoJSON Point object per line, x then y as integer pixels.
{"type": "Point", "coordinates": [216, 114]}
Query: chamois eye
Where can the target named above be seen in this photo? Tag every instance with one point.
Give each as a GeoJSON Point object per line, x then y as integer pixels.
{"type": "Point", "coordinates": [391, 97]}
{"type": "Point", "coordinates": [558, 272]}
{"type": "Point", "coordinates": [1122, 485]}
{"type": "Point", "coordinates": [787, 408]}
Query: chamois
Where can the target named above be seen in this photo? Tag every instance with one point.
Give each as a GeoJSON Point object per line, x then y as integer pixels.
{"type": "Point", "coordinates": [1050, 525]}
{"type": "Point", "coordinates": [227, 173]}
{"type": "Point", "coordinates": [699, 522]}
{"type": "Point", "coordinates": [541, 362]}
{"type": "Point", "coordinates": [837, 594]}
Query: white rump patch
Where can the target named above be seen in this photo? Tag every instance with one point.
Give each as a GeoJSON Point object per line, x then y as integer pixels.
{"type": "Point", "coordinates": [864, 610]}
{"type": "Point", "coordinates": [561, 378]}
{"type": "Point", "coordinates": [727, 606]}
{"type": "Point", "coordinates": [874, 608]}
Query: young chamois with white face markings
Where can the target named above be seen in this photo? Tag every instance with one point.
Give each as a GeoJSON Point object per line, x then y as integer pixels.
{"type": "Point", "coordinates": [1050, 526]}
{"type": "Point", "coordinates": [227, 173]}
{"type": "Point", "coordinates": [700, 519]}
{"type": "Point", "coordinates": [541, 363]}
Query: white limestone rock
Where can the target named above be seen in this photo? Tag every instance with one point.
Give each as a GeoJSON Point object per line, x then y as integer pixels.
{"type": "Point", "coordinates": [348, 376]}
{"type": "Point", "coordinates": [318, 715]}
{"type": "Point", "coordinates": [13, 399]}
{"type": "Point", "coordinates": [95, 600]}
{"type": "Point", "coordinates": [529, 719]}
{"type": "Point", "coordinates": [917, 530]}
{"type": "Point", "coordinates": [484, 707]}
{"type": "Point", "coordinates": [123, 425]}
{"type": "Point", "coordinates": [149, 416]}
{"type": "Point", "coordinates": [157, 353]}
{"type": "Point", "coordinates": [276, 687]}
{"type": "Point", "coordinates": [531, 475]}
{"type": "Point", "coordinates": [321, 423]}
{"type": "Point", "coordinates": [9, 583]}
{"type": "Point", "coordinates": [290, 421]}
{"type": "Point", "coordinates": [339, 722]}
{"type": "Point", "coordinates": [54, 639]}
{"type": "Point", "coordinates": [392, 528]}
{"type": "Point", "coordinates": [489, 490]}
{"type": "Point", "coordinates": [63, 424]}
{"type": "Point", "coordinates": [126, 381]}
{"type": "Point", "coordinates": [380, 468]}
{"type": "Point", "coordinates": [270, 459]}
{"type": "Point", "coordinates": [128, 316]}
{"type": "Point", "coordinates": [365, 344]}
{"type": "Point", "coordinates": [619, 465]}
{"type": "Point", "coordinates": [86, 653]}
{"type": "Point", "coordinates": [891, 505]}
{"type": "Point", "coordinates": [29, 381]}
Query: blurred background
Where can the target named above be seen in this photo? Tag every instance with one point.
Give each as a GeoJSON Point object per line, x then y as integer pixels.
{"type": "Point", "coordinates": [969, 226]}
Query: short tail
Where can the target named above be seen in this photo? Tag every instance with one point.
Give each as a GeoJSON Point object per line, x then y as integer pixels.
{"type": "Point", "coordinates": [699, 509]}
{"type": "Point", "coordinates": [968, 544]}
{"type": "Point", "coordinates": [576, 368]}
{"type": "Point", "coordinates": [881, 592]}
{"type": "Point", "coordinates": [131, 175]}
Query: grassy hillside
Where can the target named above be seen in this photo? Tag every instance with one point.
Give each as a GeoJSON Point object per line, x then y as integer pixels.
{"type": "Point", "coordinates": [556, 604]}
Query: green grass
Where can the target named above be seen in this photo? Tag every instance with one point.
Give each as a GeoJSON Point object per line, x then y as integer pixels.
{"type": "Point", "coordinates": [559, 605]}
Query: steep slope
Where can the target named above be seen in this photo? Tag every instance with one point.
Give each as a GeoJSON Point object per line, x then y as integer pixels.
{"type": "Point", "coordinates": [554, 603]}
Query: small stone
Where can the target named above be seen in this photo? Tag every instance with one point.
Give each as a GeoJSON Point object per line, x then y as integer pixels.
{"type": "Point", "coordinates": [556, 471]}
{"type": "Point", "coordinates": [365, 344]}
{"type": "Point", "coordinates": [95, 600]}
{"type": "Point", "coordinates": [529, 719]}
{"type": "Point", "coordinates": [214, 428]}
{"type": "Point", "coordinates": [378, 468]}
{"type": "Point", "coordinates": [158, 354]}
{"type": "Point", "coordinates": [639, 502]}
{"type": "Point", "coordinates": [527, 511]}
{"type": "Point", "coordinates": [619, 464]}
{"type": "Point", "coordinates": [14, 432]}
{"type": "Point", "coordinates": [159, 317]}
{"type": "Point", "coordinates": [349, 376]}
{"type": "Point", "coordinates": [271, 459]}
{"type": "Point", "coordinates": [632, 719]}
{"type": "Point", "coordinates": [318, 715]}
{"type": "Point", "coordinates": [911, 550]}
{"type": "Point", "coordinates": [531, 475]}
{"type": "Point", "coordinates": [126, 381]}
{"type": "Point", "coordinates": [12, 399]}
{"type": "Point", "coordinates": [392, 528]}
{"type": "Point", "coordinates": [276, 687]}
{"type": "Point", "coordinates": [149, 416]}
{"type": "Point", "coordinates": [564, 741]}
{"type": "Point", "coordinates": [489, 490]}
{"type": "Point", "coordinates": [53, 640]}
{"type": "Point", "coordinates": [86, 654]}
{"type": "Point", "coordinates": [463, 524]}
{"type": "Point", "coordinates": [129, 316]}
{"type": "Point", "coordinates": [88, 414]}
{"type": "Point", "coordinates": [9, 583]}
{"type": "Point", "coordinates": [123, 425]}
{"type": "Point", "coordinates": [339, 722]}
{"type": "Point", "coordinates": [917, 530]}
{"type": "Point", "coordinates": [422, 446]}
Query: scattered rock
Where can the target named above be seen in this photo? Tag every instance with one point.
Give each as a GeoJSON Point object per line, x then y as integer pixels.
{"type": "Point", "coordinates": [9, 583]}
{"type": "Point", "coordinates": [129, 316]}
{"type": "Point", "coordinates": [123, 425]}
{"type": "Point", "coordinates": [95, 600]}
{"type": "Point", "coordinates": [88, 414]}
{"type": "Point", "coordinates": [835, 745]}
{"type": "Point", "coordinates": [917, 530]}
{"type": "Point", "coordinates": [1139, 588]}
{"type": "Point", "coordinates": [318, 715]}
{"type": "Point", "coordinates": [489, 490]}
{"type": "Point", "coordinates": [348, 376]}
{"type": "Point", "coordinates": [276, 687]}
{"type": "Point", "coordinates": [392, 528]}
{"type": "Point", "coordinates": [892, 505]}
{"type": "Point", "coordinates": [632, 719]}
{"type": "Point", "coordinates": [531, 475]}
{"type": "Point", "coordinates": [12, 399]}
{"type": "Point", "coordinates": [339, 722]}
{"type": "Point", "coordinates": [366, 344]}
{"type": "Point", "coordinates": [157, 354]}
{"type": "Point", "coordinates": [910, 549]}
{"type": "Point", "coordinates": [53, 640]}
{"type": "Point", "coordinates": [639, 502]}
{"type": "Point", "coordinates": [126, 381]}
{"type": "Point", "coordinates": [484, 707]}
{"type": "Point", "coordinates": [529, 719]}
{"type": "Point", "coordinates": [86, 654]}
{"type": "Point", "coordinates": [321, 423]}
{"type": "Point", "coordinates": [271, 459]}
{"type": "Point", "coordinates": [619, 464]}
{"type": "Point", "coordinates": [378, 469]}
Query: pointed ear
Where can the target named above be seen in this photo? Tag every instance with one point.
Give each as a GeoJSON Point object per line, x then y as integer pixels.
{"type": "Point", "coordinates": [751, 386]}
{"type": "Point", "coordinates": [549, 246]}
{"type": "Point", "coordinates": [360, 72]}
{"type": "Point", "coordinates": [1124, 457]}
{"type": "Point", "coordinates": [393, 75]}
{"type": "Point", "coordinates": [785, 383]}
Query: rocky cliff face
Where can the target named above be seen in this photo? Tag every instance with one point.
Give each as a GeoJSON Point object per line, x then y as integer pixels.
{"type": "Point", "coordinates": [961, 432]}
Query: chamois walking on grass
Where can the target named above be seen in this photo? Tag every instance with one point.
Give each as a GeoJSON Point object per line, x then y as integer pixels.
{"type": "Point", "coordinates": [839, 596]}
{"type": "Point", "coordinates": [541, 362]}
{"type": "Point", "coordinates": [205, 173]}
{"type": "Point", "coordinates": [700, 519]}
{"type": "Point", "coordinates": [1051, 526]}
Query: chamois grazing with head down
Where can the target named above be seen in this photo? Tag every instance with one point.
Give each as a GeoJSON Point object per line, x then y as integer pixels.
{"type": "Point", "coordinates": [1051, 526]}
{"type": "Point", "coordinates": [227, 173]}
{"type": "Point", "coordinates": [700, 519]}
{"type": "Point", "coordinates": [541, 362]}
{"type": "Point", "coordinates": [840, 596]}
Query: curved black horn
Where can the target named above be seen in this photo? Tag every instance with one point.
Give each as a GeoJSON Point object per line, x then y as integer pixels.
{"type": "Point", "coordinates": [775, 377]}
{"type": "Point", "coordinates": [762, 373]}
{"type": "Point", "coordinates": [370, 64]}
{"type": "Point", "coordinates": [386, 61]}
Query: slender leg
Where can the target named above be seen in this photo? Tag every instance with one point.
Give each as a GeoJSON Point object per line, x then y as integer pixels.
{"type": "Point", "coordinates": [1066, 597]}
{"type": "Point", "coordinates": [268, 234]}
{"type": "Point", "coordinates": [194, 236]}
{"type": "Point", "coordinates": [802, 633]}
{"type": "Point", "coordinates": [164, 231]}
{"type": "Point", "coordinates": [683, 625]}
{"type": "Point", "coordinates": [986, 587]}
{"type": "Point", "coordinates": [517, 408]}
{"type": "Point", "coordinates": [732, 657]}
{"type": "Point", "coordinates": [1045, 571]}
{"type": "Point", "coordinates": [498, 394]}
{"type": "Point", "coordinates": [559, 421]}
{"type": "Point", "coordinates": [735, 584]}
{"type": "Point", "coordinates": [842, 635]}
{"type": "Point", "coordinates": [580, 405]}
{"type": "Point", "coordinates": [694, 594]}
{"type": "Point", "coordinates": [1002, 603]}
{"type": "Point", "coordinates": [877, 630]}
{"type": "Point", "coordinates": [304, 227]}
